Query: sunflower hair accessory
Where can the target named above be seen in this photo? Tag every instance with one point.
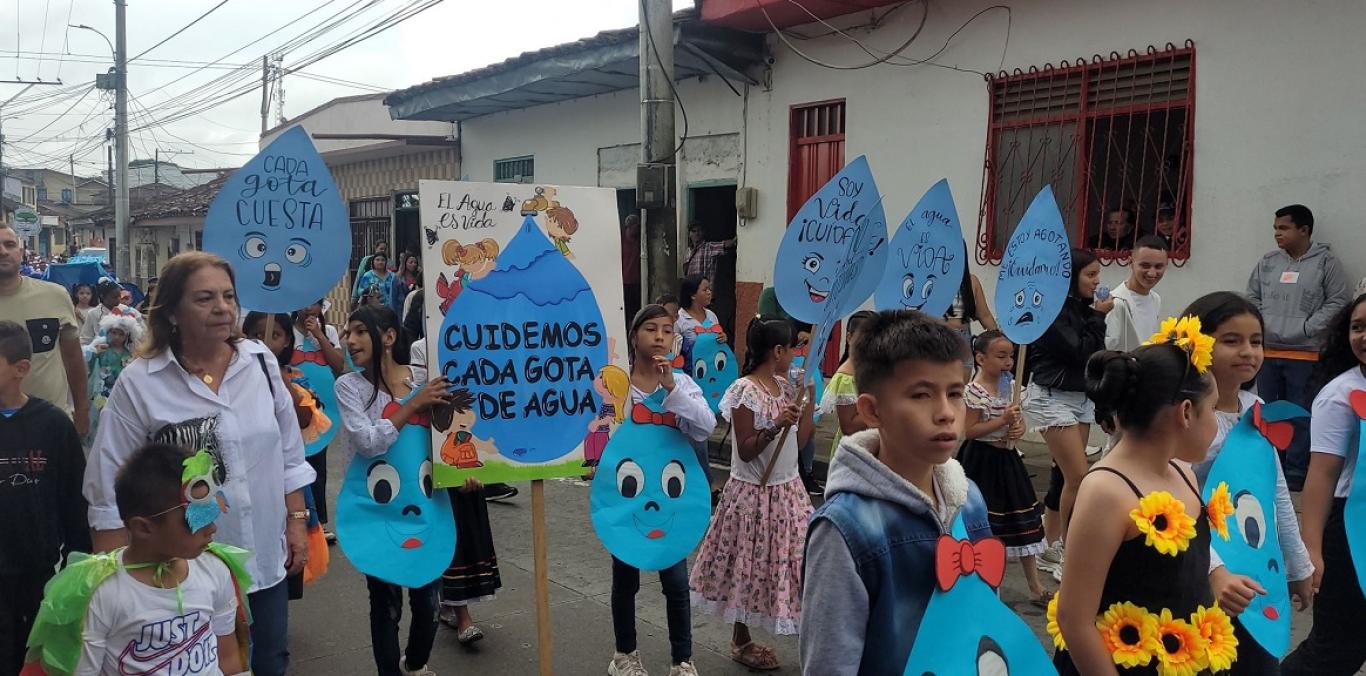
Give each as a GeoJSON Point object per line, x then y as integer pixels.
{"type": "Point", "coordinates": [1185, 334]}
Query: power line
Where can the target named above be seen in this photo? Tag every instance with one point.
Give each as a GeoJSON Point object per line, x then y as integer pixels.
{"type": "Point", "coordinates": [182, 30]}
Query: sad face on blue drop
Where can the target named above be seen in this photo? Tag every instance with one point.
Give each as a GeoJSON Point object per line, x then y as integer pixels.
{"type": "Point", "coordinates": [713, 367]}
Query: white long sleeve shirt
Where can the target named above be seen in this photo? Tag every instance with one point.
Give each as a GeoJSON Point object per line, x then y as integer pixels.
{"type": "Point", "coordinates": [258, 440]}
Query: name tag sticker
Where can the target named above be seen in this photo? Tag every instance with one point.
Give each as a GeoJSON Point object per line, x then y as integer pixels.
{"type": "Point", "coordinates": [1290, 277]}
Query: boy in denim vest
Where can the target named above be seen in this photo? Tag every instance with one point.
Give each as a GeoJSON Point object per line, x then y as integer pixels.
{"type": "Point", "coordinates": [892, 491]}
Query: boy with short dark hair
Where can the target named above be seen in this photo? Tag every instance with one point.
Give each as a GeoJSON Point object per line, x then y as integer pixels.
{"type": "Point", "coordinates": [42, 512]}
{"type": "Point", "coordinates": [892, 491]}
{"type": "Point", "coordinates": [155, 606]}
{"type": "Point", "coordinates": [1137, 310]}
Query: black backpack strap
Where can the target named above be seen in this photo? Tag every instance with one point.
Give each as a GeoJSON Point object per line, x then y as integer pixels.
{"type": "Point", "coordinates": [261, 359]}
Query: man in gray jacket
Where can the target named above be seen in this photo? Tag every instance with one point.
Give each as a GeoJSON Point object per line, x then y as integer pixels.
{"type": "Point", "coordinates": [1298, 287]}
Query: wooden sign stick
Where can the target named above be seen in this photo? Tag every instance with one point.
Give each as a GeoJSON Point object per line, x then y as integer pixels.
{"type": "Point", "coordinates": [538, 548]}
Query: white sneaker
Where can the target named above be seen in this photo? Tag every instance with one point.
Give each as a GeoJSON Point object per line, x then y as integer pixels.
{"type": "Point", "coordinates": [1092, 451]}
{"type": "Point", "coordinates": [627, 664]}
{"type": "Point", "coordinates": [1050, 560]}
{"type": "Point", "coordinates": [683, 669]}
{"type": "Point", "coordinates": [420, 671]}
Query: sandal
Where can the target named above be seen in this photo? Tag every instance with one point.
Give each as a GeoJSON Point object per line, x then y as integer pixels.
{"type": "Point", "coordinates": [755, 656]}
{"type": "Point", "coordinates": [1041, 601]}
{"type": "Point", "coordinates": [470, 635]}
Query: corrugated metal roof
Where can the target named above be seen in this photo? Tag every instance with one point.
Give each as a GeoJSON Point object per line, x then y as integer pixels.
{"type": "Point", "coordinates": [192, 202]}
{"type": "Point", "coordinates": [606, 62]}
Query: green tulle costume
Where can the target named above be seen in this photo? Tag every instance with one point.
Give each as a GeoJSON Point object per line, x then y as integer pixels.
{"type": "Point", "coordinates": [54, 645]}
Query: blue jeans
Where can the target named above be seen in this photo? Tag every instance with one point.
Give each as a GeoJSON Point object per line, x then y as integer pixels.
{"type": "Point", "coordinates": [674, 583]}
{"type": "Point", "coordinates": [700, 448]}
{"type": "Point", "coordinates": [806, 457]}
{"type": "Point", "coordinates": [1288, 380]}
{"type": "Point", "coordinates": [270, 630]}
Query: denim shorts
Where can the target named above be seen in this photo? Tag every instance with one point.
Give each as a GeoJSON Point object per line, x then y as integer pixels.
{"type": "Point", "coordinates": [1045, 408]}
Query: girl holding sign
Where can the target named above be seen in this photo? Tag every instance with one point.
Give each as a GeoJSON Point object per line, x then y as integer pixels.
{"type": "Point", "coordinates": [1055, 402]}
{"type": "Point", "coordinates": [651, 339]}
{"type": "Point", "coordinates": [749, 569]}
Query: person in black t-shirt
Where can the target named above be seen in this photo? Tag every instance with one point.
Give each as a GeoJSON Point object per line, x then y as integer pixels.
{"type": "Point", "coordinates": [42, 512]}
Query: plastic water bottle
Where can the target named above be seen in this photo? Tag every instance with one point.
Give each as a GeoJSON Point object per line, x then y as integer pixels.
{"type": "Point", "coordinates": [1005, 386]}
{"type": "Point", "coordinates": [1102, 292]}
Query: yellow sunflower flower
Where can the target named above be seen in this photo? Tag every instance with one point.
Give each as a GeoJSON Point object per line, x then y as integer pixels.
{"type": "Point", "coordinates": [1130, 634]}
{"type": "Point", "coordinates": [1185, 334]}
{"type": "Point", "coordinates": [1219, 508]}
{"type": "Point", "coordinates": [1181, 649]}
{"type": "Point", "coordinates": [1215, 627]}
{"type": "Point", "coordinates": [1053, 629]}
{"type": "Point", "coordinates": [1163, 520]}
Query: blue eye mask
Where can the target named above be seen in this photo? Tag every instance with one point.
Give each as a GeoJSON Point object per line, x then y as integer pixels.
{"type": "Point", "coordinates": [203, 495]}
{"type": "Point", "coordinates": [650, 502]}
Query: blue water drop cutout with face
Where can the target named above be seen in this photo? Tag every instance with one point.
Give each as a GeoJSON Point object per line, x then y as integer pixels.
{"type": "Point", "coordinates": [713, 365]}
{"type": "Point", "coordinates": [1247, 465]}
{"type": "Point", "coordinates": [280, 222]}
{"type": "Point", "coordinates": [392, 523]}
{"type": "Point", "coordinates": [928, 258]}
{"type": "Point", "coordinates": [1354, 512]}
{"type": "Point", "coordinates": [967, 630]}
{"type": "Point", "coordinates": [833, 253]}
{"type": "Point", "coordinates": [1035, 272]}
{"type": "Point", "coordinates": [650, 502]}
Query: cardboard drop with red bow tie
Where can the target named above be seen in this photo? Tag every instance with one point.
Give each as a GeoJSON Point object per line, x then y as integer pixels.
{"type": "Point", "coordinates": [966, 629]}
{"type": "Point", "coordinates": [650, 502]}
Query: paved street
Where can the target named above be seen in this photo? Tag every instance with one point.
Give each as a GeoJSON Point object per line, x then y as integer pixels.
{"type": "Point", "coordinates": [330, 631]}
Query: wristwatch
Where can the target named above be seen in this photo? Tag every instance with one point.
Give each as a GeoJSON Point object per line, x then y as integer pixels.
{"type": "Point", "coordinates": [301, 515]}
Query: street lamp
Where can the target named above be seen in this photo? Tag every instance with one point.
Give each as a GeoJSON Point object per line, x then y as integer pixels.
{"type": "Point", "coordinates": [96, 32]}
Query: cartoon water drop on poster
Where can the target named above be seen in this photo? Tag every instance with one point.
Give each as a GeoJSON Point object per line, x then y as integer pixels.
{"type": "Point", "coordinates": [281, 223]}
{"type": "Point", "coordinates": [927, 258]}
{"type": "Point", "coordinates": [1035, 272]}
{"type": "Point", "coordinates": [650, 500]}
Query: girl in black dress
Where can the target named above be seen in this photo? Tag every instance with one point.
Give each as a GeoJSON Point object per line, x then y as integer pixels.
{"type": "Point", "coordinates": [1136, 598]}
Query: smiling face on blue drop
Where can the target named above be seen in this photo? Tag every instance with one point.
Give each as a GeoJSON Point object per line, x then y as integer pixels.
{"type": "Point", "coordinates": [391, 522]}
{"type": "Point", "coordinates": [650, 502]}
{"type": "Point", "coordinates": [280, 222]}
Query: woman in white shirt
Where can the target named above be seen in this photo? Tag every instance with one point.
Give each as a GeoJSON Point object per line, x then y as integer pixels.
{"type": "Point", "coordinates": [198, 384]}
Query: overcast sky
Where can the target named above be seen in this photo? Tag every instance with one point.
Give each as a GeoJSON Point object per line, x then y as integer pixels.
{"type": "Point", "coordinates": [47, 124]}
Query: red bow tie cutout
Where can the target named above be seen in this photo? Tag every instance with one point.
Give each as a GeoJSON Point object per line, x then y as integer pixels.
{"type": "Point", "coordinates": [423, 418]}
{"type": "Point", "coordinates": [960, 558]}
{"type": "Point", "coordinates": [711, 328]}
{"type": "Point", "coordinates": [642, 415]}
{"type": "Point", "coordinates": [315, 357]}
{"type": "Point", "coordinates": [1279, 433]}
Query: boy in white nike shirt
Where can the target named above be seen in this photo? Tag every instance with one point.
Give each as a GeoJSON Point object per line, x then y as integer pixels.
{"type": "Point", "coordinates": [165, 609]}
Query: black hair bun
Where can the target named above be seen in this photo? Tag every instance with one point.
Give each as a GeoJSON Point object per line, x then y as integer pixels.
{"type": "Point", "coordinates": [1110, 379]}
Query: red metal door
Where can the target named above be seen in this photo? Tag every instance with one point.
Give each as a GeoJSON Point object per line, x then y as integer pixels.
{"type": "Point", "coordinates": [816, 154]}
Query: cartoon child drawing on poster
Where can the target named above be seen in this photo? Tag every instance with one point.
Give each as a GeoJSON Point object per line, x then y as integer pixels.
{"type": "Point", "coordinates": [472, 262]}
{"type": "Point", "coordinates": [613, 386]}
{"type": "Point", "coordinates": [461, 448]}
{"type": "Point", "coordinates": [561, 224]}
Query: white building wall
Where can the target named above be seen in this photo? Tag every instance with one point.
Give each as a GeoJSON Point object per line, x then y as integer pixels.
{"type": "Point", "coordinates": [595, 140]}
{"type": "Point", "coordinates": [1276, 121]}
{"type": "Point", "coordinates": [356, 115]}
{"type": "Point", "coordinates": [1274, 112]}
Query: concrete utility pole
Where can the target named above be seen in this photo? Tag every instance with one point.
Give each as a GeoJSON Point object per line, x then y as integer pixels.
{"type": "Point", "coordinates": [125, 261]}
{"type": "Point", "coordinates": [265, 92]}
{"type": "Point", "coordinates": [658, 149]}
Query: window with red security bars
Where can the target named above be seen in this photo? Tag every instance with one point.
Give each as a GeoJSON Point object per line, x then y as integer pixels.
{"type": "Point", "coordinates": [815, 155]}
{"type": "Point", "coordinates": [1112, 135]}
